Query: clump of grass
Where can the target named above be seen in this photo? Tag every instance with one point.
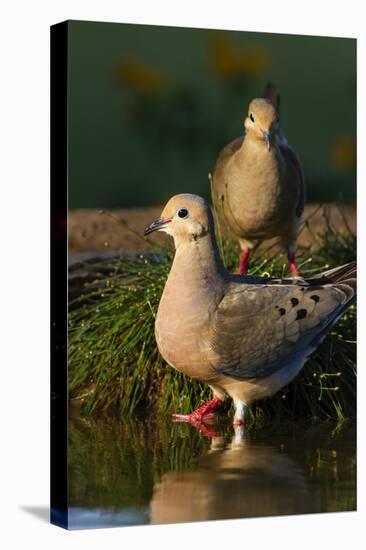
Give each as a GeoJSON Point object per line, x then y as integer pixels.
{"type": "Point", "coordinates": [114, 362]}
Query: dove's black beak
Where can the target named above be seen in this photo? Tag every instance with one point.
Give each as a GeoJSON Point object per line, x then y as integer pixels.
{"type": "Point", "coordinates": [154, 226]}
{"type": "Point", "coordinates": [267, 136]}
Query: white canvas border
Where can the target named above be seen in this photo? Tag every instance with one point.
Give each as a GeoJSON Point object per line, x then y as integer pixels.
{"type": "Point", "coordinates": [25, 270]}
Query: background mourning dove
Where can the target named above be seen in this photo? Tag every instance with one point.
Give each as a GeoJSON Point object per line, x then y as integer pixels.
{"type": "Point", "coordinates": [246, 337]}
{"type": "Point", "coordinates": [258, 185]}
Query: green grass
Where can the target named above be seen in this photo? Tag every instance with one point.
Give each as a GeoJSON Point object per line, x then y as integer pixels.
{"type": "Point", "coordinates": [114, 362]}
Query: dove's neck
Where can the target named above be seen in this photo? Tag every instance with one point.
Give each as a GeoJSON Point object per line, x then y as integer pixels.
{"type": "Point", "coordinates": [197, 261]}
{"type": "Point", "coordinates": [255, 142]}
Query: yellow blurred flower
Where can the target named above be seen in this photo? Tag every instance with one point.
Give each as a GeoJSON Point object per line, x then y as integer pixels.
{"type": "Point", "coordinates": [343, 153]}
{"type": "Point", "coordinates": [229, 61]}
{"type": "Point", "coordinates": [139, 76]}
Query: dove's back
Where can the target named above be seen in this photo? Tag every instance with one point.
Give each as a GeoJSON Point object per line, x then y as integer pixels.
{"type": "Point", "coordinates": [263, 333]}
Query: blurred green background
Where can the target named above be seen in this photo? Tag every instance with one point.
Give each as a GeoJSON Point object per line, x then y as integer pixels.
{"type": "Point", "coordinates": [150, 108]}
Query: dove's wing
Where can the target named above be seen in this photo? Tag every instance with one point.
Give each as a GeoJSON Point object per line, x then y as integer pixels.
{"type": "Point", "coordinates": [271, 93]}
{"type": "Point", "coordinates": [219, 182]}
{"type": "Point", "coordinates": [258, 328]}
{"type": "Point", "coordinates": [292, 159]}
{"type": "Point", "coordinates": [224, 156]}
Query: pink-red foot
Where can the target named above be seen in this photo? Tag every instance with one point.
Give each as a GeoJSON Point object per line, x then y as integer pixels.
{"type": "Point", "coordinates": [243, 265]}
{"type": "Point", "coordinates": [202, 413]}
{"type": "Point", "coordinates": [293, 265]}
{"type": "Point", "coordinates": [238, 422]}
{"type": "Point", "coordinates": [294, 269]}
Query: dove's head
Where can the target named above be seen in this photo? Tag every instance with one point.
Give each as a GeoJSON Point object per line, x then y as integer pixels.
{"type": "Point", "coordinates": [184, 217]}
{"type": "Point", "coordinates": [261, 121]}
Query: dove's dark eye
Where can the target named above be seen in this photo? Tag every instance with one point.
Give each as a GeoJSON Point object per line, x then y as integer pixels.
{"type": "Point", "coordinates": [251, 117]}
{"type": "Point", "coordinates": [183, 212]}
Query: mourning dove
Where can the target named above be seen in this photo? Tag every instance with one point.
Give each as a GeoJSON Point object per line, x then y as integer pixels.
{"type": "Point", "coordinates": [246, 337]}
{"type": "Point", "coordinates": [258, 185]}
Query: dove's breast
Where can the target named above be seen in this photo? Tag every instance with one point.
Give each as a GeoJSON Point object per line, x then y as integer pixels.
{"type": "Point", "coordinates": [260, 196]}
{"type": "Point", "coordinates": [182, 326]}
{"type": "Point", "coordinates": [180, 332]}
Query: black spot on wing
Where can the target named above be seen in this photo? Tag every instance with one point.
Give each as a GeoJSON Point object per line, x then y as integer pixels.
{"type": "Point", "coordinates": [301, 314]}
{"type": "Point", "coordinates": [294, 301]}
{"type": "Point", "coordinates": [315, 297]}
{"type": "Point", "coordinates": [282, 311]}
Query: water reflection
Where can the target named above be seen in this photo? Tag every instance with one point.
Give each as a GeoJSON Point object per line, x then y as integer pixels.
{"type": "Point", "coordinates": [129, 473]}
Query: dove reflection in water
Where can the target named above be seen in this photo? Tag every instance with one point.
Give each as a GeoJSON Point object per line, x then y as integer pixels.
{"type": "Point", "coordinates": [239, 480]}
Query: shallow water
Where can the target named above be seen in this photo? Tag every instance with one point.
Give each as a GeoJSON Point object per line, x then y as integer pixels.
{"type": "Point", "coordinates": [143, 471]}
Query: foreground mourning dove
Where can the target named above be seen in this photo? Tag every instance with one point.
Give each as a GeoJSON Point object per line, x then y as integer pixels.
{"type": "Point", "coordinates": [258, 185]}
{"type": "Point", "coordinates": [246, 337]}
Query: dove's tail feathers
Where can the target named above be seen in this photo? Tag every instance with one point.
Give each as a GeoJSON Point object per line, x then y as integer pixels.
{"type": "Point", "coordinates": [270, 92]}
{"type": "Point", "coordinates": [343, 279]}
{"type": "Point", "coordinates": [338, 273]}
{"type": "Point", "coordinates": [345, 274]}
